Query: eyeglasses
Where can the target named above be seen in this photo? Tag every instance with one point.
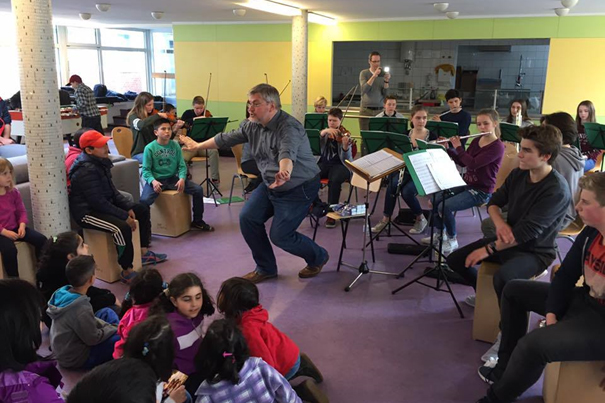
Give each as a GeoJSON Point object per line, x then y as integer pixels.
{"type": "Point", "coordinates": [375, 61]}
{"type": "Point", "coordinates": [255, 104]}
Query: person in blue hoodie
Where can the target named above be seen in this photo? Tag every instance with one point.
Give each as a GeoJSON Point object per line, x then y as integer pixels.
{"type": "Point", "coordinates": [79, 337]}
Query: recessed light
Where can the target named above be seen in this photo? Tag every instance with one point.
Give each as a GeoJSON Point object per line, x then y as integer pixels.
{"type": "Point", "coordinates": [452, 15]}
{"type": "Point", "coordinates": [85, 16]}
{"type": "Point", "coordinates": [103, 7]}
{"type": "Point", "coordinates": [441, 7]}
{"type": "Point", "coordinates": [561, 12]}
{"type": "Point", "coordinates": [157, 15]}
{"type": "Point", "coordinates": [240, 12]}
{"type": "Point", "coordinates": [569, 3]}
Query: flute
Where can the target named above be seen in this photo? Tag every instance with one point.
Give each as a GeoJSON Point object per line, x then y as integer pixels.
{"type": "Point", "coordinates": [465, 137]}
{"type": "Point", "coordinates": [450, 111]}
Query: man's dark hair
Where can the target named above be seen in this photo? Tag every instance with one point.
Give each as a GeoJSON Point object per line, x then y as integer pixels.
{"type": "Point", "coordinates": [374, 53]}
{"type": "Point", "coordinates": [547, 139]}
{"type": "Point", "coordinates": [389, 97]}
{"type": "Point", "coordinates": [79, 270]}
{"type": "Point", "coordinates": [77, 135]}
{"type": "Point", "coordinates": [126, 380]}
{"type": "Point", "coordinates": [453, 93]}
{"type": "Point", "coordinates": [336, 112]}
{"type": "Point", "coordinates": [159, 122]}
{"type": "Point", "coordinates": [564, 122]}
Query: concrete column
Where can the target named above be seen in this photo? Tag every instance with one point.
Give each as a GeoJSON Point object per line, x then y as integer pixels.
{"type": "Point", "coordinates": [41, 115]}
{"type": "Point", "coordinates": [300, 55]}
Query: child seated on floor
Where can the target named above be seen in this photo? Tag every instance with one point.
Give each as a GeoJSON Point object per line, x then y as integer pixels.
{"type": "Point", "coordinates": [57, 252]}
{"type": "Point", "coordinates": [185, 303]}
{"type": "Point", "coordinates": [165, 169]}
{"type": "Point", "coordinates": [151, 341]}
{"type": "Point", "coordinates": [229, 372]}
{"type": "Point", "coordinates": [79, 337]}
{"type": "Point", "coordinates": [238, 300]}
{"type": "Point", "coordinates": [22, 371]}
{"type": "Point", "coordinates": [144, 290]}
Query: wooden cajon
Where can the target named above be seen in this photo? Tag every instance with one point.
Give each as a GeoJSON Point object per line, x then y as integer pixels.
{"type": "Point", "coordinates": [101, 246]}
{"type": "Point", "coordinates": [574, 381]}
{"type": "Point", "coordinates": [487, 312]}
{"type": "Point", "coordinates": [26, 259]}
{"type": "Point", "coordinates": [171, 214]}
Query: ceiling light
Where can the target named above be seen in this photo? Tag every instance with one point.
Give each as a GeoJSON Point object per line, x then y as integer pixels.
{"type": "Point", "coordinates": [157, 15]}
{"type": "Point", "coordinates": [271, 7]}
{"type": "Point", "coordinates": [569, 3]}
{"type": "Point", "coordinates": [441, 7]}
{"type": "Point", "coordinates": [240, 12]}
{"type": "Point", "coordinates": [321, 19]}
{"type": "Point", "coordinates": [452, 15]}
{"type": "Point", "coordinates": [561, 12]}
{"type": "Point", "coordinates": [103, 7]}
{"type": "Point", "coordinates": [85, 16]}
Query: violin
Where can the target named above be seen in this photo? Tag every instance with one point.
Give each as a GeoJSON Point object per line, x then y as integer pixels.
{"type": "Point", "coordinates": [342, 133]}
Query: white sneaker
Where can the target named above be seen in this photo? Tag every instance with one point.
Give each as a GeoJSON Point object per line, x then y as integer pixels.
{"type": "Point", "coordinates": [470, 300]}
{"type": "Point", "coordinates": [492, 353]}
{"type": "Point", "coordinates": [379, 227]}
{"type": "Point", "coordinates": [452, 243]}
{"type": "Point", "coordinates": [427, 240]}
{"type": "Point", "coordinates": [544, 273]}
{"type": "Point", "coordinates": [419, 226]}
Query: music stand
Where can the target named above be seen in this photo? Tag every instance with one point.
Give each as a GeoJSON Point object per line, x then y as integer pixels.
{"type": "Point", "coordinates": [595, 133]}
{"type": "Point", "coordinates": [423, 145]}
{"type": "Point", "coordinates": [386, 124]}
{"type": "Point", "coordinates": [314, 141]}
{"type": "Point", "coordinates": [443, 129]}
{"type": "Point", "coordinates": [369, 174]}
{"type": "Point", "coordinates": [509, 132]}
{"type": "Point", "coordinates": [317, 121]}
{"type": "Point", "coordinates": [439, 267]}
{"type": "Point", "coordinates": [202, 130]}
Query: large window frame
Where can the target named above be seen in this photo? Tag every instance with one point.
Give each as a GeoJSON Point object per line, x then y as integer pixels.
{"type": "Point", "coordinates": [64, 45]}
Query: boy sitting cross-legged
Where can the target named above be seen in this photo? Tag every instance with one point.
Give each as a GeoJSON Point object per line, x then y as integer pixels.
{"type": "Point", "coordinates": [165, 169]}
{"type": "Point", "coordinates": [79, 337]}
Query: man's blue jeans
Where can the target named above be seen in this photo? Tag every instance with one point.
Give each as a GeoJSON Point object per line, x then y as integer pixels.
{"type": "Point", "coordinates": [288, 209]}
{"type": "Point", "coordinates": [460, 198]}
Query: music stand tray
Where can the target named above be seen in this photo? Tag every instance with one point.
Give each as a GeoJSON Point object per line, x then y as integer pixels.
{"type": "Point", "coordinates": [510, 132]}
{"type": "Point", "coordinates": [202, 130]}
{"type": "Point", "coordinates": [595, 133]}
{"type": "Point", "coordinates": [314, 141]}
{"type": "Point", "coordinates": [318, 121]}
{"type": "Point", "coordinates": [423, 145]}
{"type": "Point", "coordinates": [386, 124]}
{"type": "Point", "coordinates": [443, 129]}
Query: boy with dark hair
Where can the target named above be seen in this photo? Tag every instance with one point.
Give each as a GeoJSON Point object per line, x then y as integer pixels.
{"type": "Point", "coordinates": [79, 337]}
{"type": "Point", "coordinates": [575, 316]}
{"type": "Point", "coordinates": [95, 203]}
{"type": "Point", "coordinates": [537, 197]}
{"type": "Point", "coordinates": [455, 114]}
{"type": "Point", "coordinates": [165, 169]}
{"type": "Point", "coordinates": [390, 108]}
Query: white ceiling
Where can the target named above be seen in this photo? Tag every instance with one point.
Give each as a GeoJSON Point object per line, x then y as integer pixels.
{"type": "Point", "coordinates": [137, 12]}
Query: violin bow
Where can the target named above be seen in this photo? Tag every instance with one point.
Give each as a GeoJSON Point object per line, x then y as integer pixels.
{"type": "Point", "coordinates": [208, 94]}
{"type": "Point", "coordinates": [282, 91]}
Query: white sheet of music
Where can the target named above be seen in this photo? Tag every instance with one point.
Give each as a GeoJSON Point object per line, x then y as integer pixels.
{"type": "Point", "coordinates": [376, 163]}
{"type": "Point", "coordinates": [436, 171]}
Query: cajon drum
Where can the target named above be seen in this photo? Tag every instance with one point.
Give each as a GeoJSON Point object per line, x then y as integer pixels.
{"type": "Point", "coordinates": [101, 246]}
{"type": "Point", "coordinates": [487, 312]}
{"type": "Point", "coordinates": [574, 381]}
{"type": "Point", "coordinates": [26, 259]}
{"type": "Point", "coordinates": [171, 214]}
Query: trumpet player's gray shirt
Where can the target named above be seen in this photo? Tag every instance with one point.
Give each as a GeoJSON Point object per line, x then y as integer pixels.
{"type": "Point", "coordinates": [283, 137]}
{"type": "Point", "coordinates": [372, 96]}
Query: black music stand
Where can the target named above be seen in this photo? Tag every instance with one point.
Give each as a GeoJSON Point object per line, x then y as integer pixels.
{"type": "Point", "coordinates": [595, 133]}
{"type": "Point", "coordinates": [387, 124]}
{"type": "Point", "coordinates": [314, 141]}
{"type": "Point", "coordinates": [510, 132]}
{"type": "Point", "coordinates": [317, 121]}
{"type": "Point", "coordinates": [441, 277]}
{"type": "Point", "coordinates": [202, 130]}
{"type": "Point", "coordinates": [443, 129]}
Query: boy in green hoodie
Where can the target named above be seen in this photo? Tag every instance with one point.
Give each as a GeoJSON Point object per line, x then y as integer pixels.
{"type": "Point", "coordinates": [165, 169]}
{"type": "Point", "coordinates": [79, 337]}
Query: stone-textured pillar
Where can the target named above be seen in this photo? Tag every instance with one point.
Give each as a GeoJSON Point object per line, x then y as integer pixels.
{"type": "Point", "coordinates": [300, 55]}
{"type": "Point", "coordinates": [41, 115]}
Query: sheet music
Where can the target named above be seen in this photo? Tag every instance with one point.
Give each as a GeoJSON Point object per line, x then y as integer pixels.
{"type": "Point", "coordinates": [376, 163]}
{"type": "Point", "coordinates": [436, 171]}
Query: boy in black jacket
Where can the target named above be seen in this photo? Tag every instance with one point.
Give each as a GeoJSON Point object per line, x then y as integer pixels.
{"type": "Point", "coordinates": [575, 316]}
{"type": "Point", "coordinates": [95, 203]}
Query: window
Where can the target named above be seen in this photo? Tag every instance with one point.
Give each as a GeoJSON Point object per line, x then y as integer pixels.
{"type": "Point", "coordinates": [86, 36]}
{"type": "Point", "coordinates": [85, 63]}
{"type": "Point", "coordinates": [124, 71]}
{"type": "Point", "coordinates": [164, 83]}
{"type": "Point", "coordinates": [122, 38]}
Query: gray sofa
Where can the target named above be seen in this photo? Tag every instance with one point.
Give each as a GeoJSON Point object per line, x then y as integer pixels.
{"type": "Point", "coordinates": [125, 173]}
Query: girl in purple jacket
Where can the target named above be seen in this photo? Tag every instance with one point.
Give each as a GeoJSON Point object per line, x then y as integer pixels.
{"type": "Point", "coordinates": [24, 376]}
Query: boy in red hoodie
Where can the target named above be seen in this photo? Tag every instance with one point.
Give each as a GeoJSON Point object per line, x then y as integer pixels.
{"type": "Point", "coordinates": [238, 299]}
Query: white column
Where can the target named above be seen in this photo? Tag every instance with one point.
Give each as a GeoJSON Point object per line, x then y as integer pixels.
{"type": "Point", "coordinates": [41, 115]}
{"type": "Point", "coordinates": [300, 54]}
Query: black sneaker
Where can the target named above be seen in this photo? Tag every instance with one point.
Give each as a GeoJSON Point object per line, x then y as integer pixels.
{"type": "Point", "coordinates": [307, 368]}
{"type": "Point", "coordinates": [487, 374]}
{"type": "Point", "coordinates": [202, 226]}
